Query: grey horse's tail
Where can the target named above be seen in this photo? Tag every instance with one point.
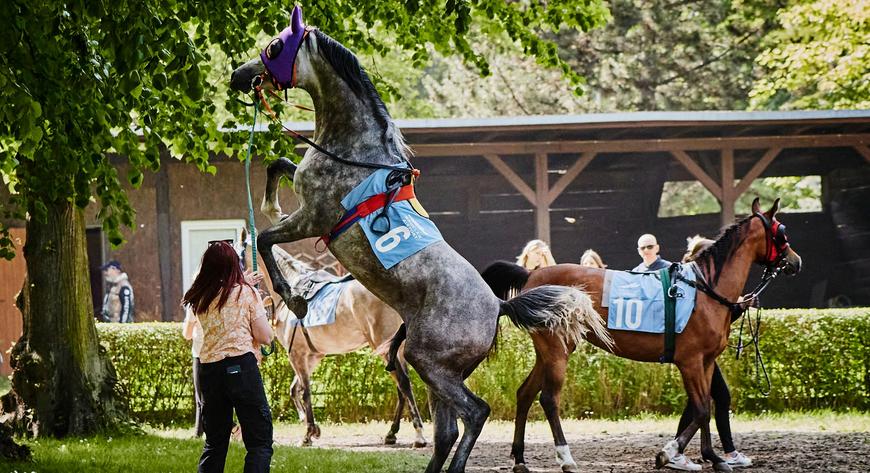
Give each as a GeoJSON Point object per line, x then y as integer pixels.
{"type": "Point", "coordinates": [560, 309]}
{"type": "Point", "coordinates": [270, 207]}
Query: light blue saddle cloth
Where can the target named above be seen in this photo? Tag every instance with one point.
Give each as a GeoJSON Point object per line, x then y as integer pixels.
{"type": "Point", "coordinates": [636, 301]}
{"type": "Point", "coordinates": [398, 235]}
{"type": "Point", "coordinates": [321, 307]}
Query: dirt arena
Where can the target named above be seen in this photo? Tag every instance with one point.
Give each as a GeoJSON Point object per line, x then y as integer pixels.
{"type": "Point", "coordinates": [796, 445]}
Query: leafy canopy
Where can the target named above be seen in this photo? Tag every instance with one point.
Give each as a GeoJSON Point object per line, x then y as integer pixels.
{"type": "Point", "coordinates": [86, 83]}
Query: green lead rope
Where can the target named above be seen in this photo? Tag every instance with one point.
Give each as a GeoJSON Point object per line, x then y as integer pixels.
{"type": "Point", "coordinates": [670, 317]}
{"type": "Point", "coordinates": [252, 229]}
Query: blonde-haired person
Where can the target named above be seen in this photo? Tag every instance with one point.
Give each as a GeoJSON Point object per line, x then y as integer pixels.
{"type": "Point", "coordinates": [536, 254]}
{"type": "Point", "coordinates": [591, 259]}
{"type": "Point", "coordinates": [234, 324]}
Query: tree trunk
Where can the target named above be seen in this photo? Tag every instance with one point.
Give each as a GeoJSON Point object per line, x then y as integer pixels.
{"type": "Point", "coordinates": [61, 373]}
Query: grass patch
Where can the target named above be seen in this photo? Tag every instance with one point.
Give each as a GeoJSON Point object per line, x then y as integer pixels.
{"type": "Point", "coordinates": [151, 453]}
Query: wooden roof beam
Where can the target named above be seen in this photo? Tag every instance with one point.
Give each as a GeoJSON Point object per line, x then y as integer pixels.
{"type": "Point", "coordinates": [756, 171]}
{"type": "Point", "coordinates": [570, 175]}
{"type": "Point", "coordinates": [698, 173]}
{"type": "Point", "coordinates": [643, 146]}
{"type": "Point", "coordinates": [863, 150]}
{"type": "Point", "coordinates": [512, 177]}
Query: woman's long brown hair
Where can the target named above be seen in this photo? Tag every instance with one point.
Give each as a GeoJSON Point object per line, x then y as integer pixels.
{"type": "Point", "coordinates": [218, 274]}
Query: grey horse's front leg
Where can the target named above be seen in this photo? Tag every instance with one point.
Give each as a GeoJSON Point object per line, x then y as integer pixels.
{"type": "Point", "coordinates": [292, 228]}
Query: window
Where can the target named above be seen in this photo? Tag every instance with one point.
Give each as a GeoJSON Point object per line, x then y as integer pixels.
{"type": "Point", "coordinates": [195, 235]}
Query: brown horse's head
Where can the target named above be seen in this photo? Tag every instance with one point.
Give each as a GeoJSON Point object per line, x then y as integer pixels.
{"type": "Point", "coordinates": [772, 246]}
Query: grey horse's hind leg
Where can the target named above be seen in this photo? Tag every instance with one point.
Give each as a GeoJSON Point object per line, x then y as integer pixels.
{"type": "Point", "coordinates": [446, 431]}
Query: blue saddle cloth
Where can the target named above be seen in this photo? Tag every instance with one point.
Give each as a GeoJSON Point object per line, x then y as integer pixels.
{"type": "Point", "coordinates": [636, 301]}
{"type": "Point", "coordinates": [402, 232]}
{"type": "Point", "coordinates": [321, 307]}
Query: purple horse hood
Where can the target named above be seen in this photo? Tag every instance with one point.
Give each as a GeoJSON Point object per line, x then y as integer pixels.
{"type": "Point", "coordinates": [279, 56]}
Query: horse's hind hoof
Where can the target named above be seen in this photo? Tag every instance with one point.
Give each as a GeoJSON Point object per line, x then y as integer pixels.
{"type": "Point", "coordinates": [390, 439]}
{"type": "Point", "coordinates": [722, 466]}
{"type": "Point", "coordinates": [570, 469]}
{"type": "Point", "coordinates": [420, 444]}
{"type": "Point", "coordinates": [520, 468]}
{"type": "Point", "coordinates": [662, 459]}
{"type": "Point", "coordinates": [305, 443]}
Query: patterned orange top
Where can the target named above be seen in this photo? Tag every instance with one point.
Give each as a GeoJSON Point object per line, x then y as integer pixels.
{"type": "Point", "coordinates": [228, 332]}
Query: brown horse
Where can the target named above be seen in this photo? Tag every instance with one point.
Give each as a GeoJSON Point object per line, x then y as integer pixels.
{"type": "Point", "coordinates": [721, 273]}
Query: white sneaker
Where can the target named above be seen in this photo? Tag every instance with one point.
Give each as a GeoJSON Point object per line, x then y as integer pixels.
{"type": "Point", "coordinates": [682, 462]}
{"type": "Point", "coordinates": [737, 459]}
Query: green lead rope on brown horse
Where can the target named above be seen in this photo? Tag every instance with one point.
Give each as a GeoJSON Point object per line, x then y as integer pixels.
{"type": "Point", "coordinates": [670, 317]}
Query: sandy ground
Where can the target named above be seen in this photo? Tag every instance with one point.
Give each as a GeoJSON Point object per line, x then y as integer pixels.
{"type": "Point", "coordinates": [826, 443]}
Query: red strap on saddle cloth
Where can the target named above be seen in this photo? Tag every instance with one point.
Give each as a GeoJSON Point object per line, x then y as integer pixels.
{"type": "Point", "coordinates": [364, 209]}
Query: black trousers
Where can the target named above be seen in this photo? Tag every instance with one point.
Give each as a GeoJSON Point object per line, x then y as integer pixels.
{"type": "Point", "coordinates": [197, 398]}
{"type": "Point", "coordinates": [234, 383]}
{"type": "Point", "coordinates": [722, 401]}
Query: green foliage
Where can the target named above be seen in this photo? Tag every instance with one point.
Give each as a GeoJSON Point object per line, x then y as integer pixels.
{"type": "Point", "coordinates": [816, 359]}
{"type": "Point", "coordinates": [796, 194]}
{"type": "Point", "coordinates": [82, 81]}
{"type": "Point", "coordinates": [818, 59]}
{"type": "Point", "coordinates": [152, 453]}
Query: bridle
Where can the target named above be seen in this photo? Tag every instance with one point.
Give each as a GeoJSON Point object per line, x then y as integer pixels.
{"type": "Point", "coordinates": [776, 243]}
{"type": "Point", "coordinates": [275, 71]}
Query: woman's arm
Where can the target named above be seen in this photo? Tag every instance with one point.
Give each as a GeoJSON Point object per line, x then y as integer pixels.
{"type": "Point", "coordinates": [262, 331]}
{"type": "Point", "coordinates": [188, 325]}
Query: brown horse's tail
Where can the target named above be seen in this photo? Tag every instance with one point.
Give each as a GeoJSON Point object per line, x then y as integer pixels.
{"type": "Point", "coordinates": [560, 309]}
{"type": "Point", "coordinates": [270, 207]}
{"type": "Point", "coordinates": [506, 279]}
{"type": "Point", "coordinates": [398, 338]}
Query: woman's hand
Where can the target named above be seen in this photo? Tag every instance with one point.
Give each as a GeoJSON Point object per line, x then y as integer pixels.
{"type": "Point", "coordinates": [253, 278]}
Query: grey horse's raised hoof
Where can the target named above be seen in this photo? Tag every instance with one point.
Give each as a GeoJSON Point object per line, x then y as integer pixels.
{"type": "Point", "coordinates": [722, 466]}
{"type": "Point", "coordinates": [520, 468]}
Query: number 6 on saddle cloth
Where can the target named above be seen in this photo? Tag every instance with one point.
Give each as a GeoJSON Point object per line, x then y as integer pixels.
{"type": "Point", "coordinates": [388, 212]}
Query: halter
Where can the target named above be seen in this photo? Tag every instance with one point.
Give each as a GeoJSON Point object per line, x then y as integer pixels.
{"type": "Point", "coordinates": [279, 60]}
{"type": "Point", "coordinates": [776, 243]}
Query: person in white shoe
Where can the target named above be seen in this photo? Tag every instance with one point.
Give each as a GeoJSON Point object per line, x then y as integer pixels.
{"type": "Point", "coordinates": [718, 391]}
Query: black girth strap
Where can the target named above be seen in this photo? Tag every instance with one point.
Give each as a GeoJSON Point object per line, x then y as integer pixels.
{"type": "Point", "coordinates": [670, 316]}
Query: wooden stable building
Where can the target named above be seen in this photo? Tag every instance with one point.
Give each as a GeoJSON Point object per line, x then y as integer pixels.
{"type": "Point", "coordinates": [577, 182]}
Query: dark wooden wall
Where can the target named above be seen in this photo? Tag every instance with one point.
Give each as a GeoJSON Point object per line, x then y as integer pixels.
{"type": "Point", "coordinates": [616, 199]}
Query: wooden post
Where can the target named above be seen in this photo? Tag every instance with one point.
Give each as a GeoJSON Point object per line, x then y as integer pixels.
{"type": "Point", "coordinates": [542, 201]}
{"type": "Point", "coordinates": [728, 195]}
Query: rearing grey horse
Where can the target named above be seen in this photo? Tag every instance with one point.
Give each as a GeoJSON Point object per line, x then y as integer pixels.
{"type": "Point", "coordinates": [451, 315]}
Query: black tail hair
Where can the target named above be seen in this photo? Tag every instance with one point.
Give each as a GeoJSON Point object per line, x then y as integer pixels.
{"type": "Point", "coordinates": [398, 338]}
{"type": "Point", "coordinates": [505, 278]}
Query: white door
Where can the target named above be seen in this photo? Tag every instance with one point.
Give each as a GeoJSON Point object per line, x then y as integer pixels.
{"type": "Point", "coordinates": [195, 235]}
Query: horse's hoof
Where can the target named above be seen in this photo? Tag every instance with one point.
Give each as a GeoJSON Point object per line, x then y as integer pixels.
{"type": "Point", "coordinates": [314, 432]}
{"type": "Point", "coordinates": [662, 459]}
{"type": "Point", "coordinates": [520, 468]}
{"type": "Point", "coordinates": [722, 466]}
{"type": "Point", "coordinates": [570, 469]}
{"type": "Point", "coordinates": [390, 439]}
{"type": "Point", "coordinates": [420, 443]}
{"type": "Point", "coordinates": [305, 443]}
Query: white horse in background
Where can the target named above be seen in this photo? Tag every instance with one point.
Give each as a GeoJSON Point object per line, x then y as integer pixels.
{"type": "Point", "coordinates": [361, 320]}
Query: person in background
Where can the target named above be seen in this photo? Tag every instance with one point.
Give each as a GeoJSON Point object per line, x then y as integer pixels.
{"type": "Point", "coordinates": [234, 324]}
{"type": "Point", "coordinates": [718, 388]}
{"type": "Point", "coordinates": [192, 330]}
{"type": "Point", "coordinates": [591, 259]}
{"type": "Point", "coordinates": [118, 301]}
{"type": "Point", "coordinates": [648, 249]}
{"type": "Point", "coordinates": [536, 254]}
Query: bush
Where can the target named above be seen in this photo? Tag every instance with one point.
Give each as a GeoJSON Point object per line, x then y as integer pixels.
{"type": "Point", "coordinates": [816, 359]}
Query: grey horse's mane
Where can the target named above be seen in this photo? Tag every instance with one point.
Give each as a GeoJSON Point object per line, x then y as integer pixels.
{"type": "Point", "coordinates": [348, 67]}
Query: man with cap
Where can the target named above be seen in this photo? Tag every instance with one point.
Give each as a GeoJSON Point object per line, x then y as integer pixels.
{"type": "Point", "coordinates": [118, 302]}
{"type": "Point", "coordinates": [648, 249]}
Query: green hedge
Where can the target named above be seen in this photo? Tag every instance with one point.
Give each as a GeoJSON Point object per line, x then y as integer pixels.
{"type": "Point", "coordinates": [816, 359]}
